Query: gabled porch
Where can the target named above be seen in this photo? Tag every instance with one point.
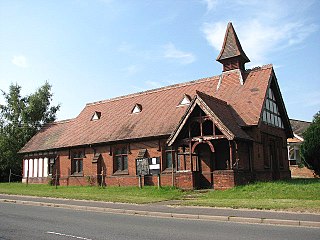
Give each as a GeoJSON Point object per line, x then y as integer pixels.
{"type": "Point", "coordinates": [210, 148]}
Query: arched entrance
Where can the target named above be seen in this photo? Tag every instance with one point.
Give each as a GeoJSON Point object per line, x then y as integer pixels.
{"type": "Point", "coordinates": [204, 176]}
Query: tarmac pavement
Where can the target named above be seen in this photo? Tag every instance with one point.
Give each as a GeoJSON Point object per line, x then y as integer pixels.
{"type": "Point", "coordinates": [172, 209]}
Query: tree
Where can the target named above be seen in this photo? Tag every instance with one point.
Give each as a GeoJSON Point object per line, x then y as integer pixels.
{"type": "Point", "coordinates": [310, 148]}
{"type": "Point", "coordinates": [20, 119]}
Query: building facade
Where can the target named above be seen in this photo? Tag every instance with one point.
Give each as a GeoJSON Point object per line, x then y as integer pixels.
{"type": "Point", "coordinates": [215, 132]}
{"type": "Point", "coordinates": [294, 143]}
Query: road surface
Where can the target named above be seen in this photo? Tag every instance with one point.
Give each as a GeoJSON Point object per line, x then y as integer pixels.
{"type": "Point", "coordinates": [33, 222]}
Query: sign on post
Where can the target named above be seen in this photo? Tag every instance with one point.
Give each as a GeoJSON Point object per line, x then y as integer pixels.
{"type": "Point", "coordinates": [142, 166]}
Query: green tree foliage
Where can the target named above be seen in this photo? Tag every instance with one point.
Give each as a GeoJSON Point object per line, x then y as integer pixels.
{"type": "Point", "coordinates": [310, 148]}
{"type": "Point", "coordinates": [20, 119]}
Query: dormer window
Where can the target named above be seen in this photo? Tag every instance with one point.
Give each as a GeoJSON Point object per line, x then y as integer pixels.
{"type": "Point", "coordinates": [185, 100]}
{"type": "Point", "coordinates": [96, 116]}
{"type": "Point", "coordinates": [137, 108]}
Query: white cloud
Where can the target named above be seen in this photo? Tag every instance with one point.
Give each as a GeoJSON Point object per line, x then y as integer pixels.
{"type": "Point", "coordinates": [211, 4]}
{"type": "Point", "coordinates": [171, 52]}
{"type": "Point", "coordinates": [132, 69]}
{"type": "Point", "coordinates": [268, 30]}
{"type": "Point", "coordinates": [20, 61]}
{"type": "Point", "coordinates": [214, 33]}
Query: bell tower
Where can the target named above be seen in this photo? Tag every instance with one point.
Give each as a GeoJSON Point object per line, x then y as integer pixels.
{"type": "Point", "coordinates": [232, 55]}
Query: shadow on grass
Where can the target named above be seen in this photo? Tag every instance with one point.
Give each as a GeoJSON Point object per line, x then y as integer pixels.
{"type": "Point", "coordinates": [301, 181]}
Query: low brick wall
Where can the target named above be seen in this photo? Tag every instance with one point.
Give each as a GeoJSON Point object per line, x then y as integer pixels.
{"type": "Point", "coordinates": [297, 172]}
{"type": "Point", "coordinates": [42, 180]}
{"type": "Point", "coordinates": [184, 180]}
{"type": "Point", "coordinates": [223, 179]}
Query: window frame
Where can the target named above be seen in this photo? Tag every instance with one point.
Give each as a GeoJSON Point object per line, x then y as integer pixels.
{"type": "Point", "coordinates": [271, 115]}
{"type": "Point", "coordinates": [77, 163]}
{"type": "Point", "coordinates": [51, 165]}
{"type": "Point", "coordinates": [123, 156]}
{"type": "Point", "coordinates": [171, 152]}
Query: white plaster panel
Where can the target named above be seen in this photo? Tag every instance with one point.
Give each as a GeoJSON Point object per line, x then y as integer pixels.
{"type": "Point", "coordinates": [35, 169]}
{"type": "Point", "coordinates": [30, 167]}
{"type": "Point", "coordinates": [45, 167]}
{"type": "Point", "coordinates": [40, 167]}
{"type": "Point", "coordinates": [25, 166]}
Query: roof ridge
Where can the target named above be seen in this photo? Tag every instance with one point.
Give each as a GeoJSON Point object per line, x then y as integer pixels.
{"type": "Point", "coordinates": [297, 120]}
{"type": "Point", "coordinates": [201, 80]}
{"type": "Point", "coordinates": [58, 122]}
{"type": "Point", "coordinates": [212, 97]}
{"type": "Point", "coordinates": [265, 66]}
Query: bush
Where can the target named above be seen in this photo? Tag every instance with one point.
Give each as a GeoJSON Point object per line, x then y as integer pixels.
{"type": "Point", "coordinates": [310, 148]}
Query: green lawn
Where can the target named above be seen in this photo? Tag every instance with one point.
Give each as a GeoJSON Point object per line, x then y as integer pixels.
{"type": "Point", "coordinates": [293, 195]}
{"type": "Point", "coordinates": [108, 194]}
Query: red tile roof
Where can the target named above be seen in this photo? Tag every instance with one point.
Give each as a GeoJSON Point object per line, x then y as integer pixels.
{"type": "Point", "coordinates": [160, 111]}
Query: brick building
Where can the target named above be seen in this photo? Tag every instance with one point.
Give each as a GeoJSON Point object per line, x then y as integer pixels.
{"type": "Point", "coordinates": [215, 132]}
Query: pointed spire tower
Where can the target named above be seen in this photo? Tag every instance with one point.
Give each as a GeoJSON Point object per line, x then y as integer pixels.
{"type": "Point", "coordinates": [231, 55]}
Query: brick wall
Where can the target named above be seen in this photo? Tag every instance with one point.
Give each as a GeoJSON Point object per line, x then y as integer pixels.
{"type": "Point", "coordinates": [304, 172]}
{"type": "Point", "coordinates": [220, 179]}
{"type": "Point", "coordinates": [184, 180]}
{"type": "Point", "coordinates": [223, 179]}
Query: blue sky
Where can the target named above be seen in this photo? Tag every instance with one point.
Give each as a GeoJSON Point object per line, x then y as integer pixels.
{"type": "Point", "coordinates": [90, 50]}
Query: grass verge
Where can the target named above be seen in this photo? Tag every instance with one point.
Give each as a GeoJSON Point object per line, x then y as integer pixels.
{"type": "Point", "coordinates": [108, 194]}
{"type": "Point", "coordinates": [293, 195]}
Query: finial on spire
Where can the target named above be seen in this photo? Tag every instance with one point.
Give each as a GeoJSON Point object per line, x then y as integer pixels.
{"type": "Point", "coordinates": [232, 55]}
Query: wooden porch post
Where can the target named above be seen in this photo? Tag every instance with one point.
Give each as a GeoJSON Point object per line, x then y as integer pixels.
{"type": "Point", "coordinates": [172, 166]}
{"type": "Point", "coordinates": [231, 155]}
{"type": "Point", "coordinates": [190, 152]}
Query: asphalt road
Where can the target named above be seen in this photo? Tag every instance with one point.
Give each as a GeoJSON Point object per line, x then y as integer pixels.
{"type": "Point", "coordinates": [32, 222]}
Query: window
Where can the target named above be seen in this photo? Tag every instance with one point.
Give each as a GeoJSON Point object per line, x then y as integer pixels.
{"type": "Point", "coordinates": [169, 158]}
{"type": "Point", "coordinates": [121, 159]}
{"type": "Point", "coordinates": [50, 166]}
{"type": "Point", "coordinates": [266, 159]}
{"type": "Point", "coordinates": [183, 161]}
{"type": "Point", "coordinates": [185, 101]}
{"type": "Point", "coordinates": [96, 116]}
{"type": "Point", "coordinates": [137, 108]}
{"type": "Point", "coordinates": [293, 155]}
{"type": "Point", "coordinates": [271, 115]}
{"type": "Point", "coordinates": [77, 162]}
{"type": "Point", "coordinates": [183, 157]}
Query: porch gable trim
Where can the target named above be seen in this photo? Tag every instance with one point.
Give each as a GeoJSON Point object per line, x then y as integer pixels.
{"type": "Point", "coordinates": [197, 101]}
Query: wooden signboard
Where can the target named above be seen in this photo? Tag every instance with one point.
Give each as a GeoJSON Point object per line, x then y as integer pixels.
{"type": "Point", "coordinates": [142, 166]}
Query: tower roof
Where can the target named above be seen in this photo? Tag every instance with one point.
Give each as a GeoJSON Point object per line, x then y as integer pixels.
{"type": "Point", "coordinates": [231, 47]}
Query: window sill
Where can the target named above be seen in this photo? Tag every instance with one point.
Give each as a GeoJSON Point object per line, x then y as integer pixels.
{"type": "Point", "coordinates": [77, 174]}
{"type": "Point", "coordinates": [168, 170]}
{"type": "Point", "coordinates": [124, 172]}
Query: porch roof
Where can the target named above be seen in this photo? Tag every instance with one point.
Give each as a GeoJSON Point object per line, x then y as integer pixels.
{"type": "Point", "coordinates": [219, 111]}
